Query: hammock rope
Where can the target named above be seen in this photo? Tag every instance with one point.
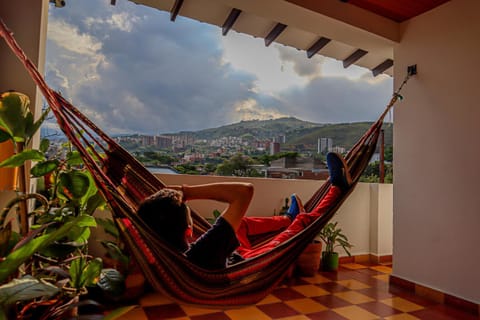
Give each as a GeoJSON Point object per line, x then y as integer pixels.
{"type": "Point", "coordinates": [125, 182]}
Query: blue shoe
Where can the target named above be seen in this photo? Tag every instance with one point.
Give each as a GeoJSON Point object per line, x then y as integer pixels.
{"type": "Point", "coordinates": [294, 208]}
{"type": "Point", "coordinates": [339, 173]}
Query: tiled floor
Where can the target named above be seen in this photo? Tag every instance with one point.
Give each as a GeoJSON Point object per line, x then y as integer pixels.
{"type": "Point", "coordinates": [355, 292]}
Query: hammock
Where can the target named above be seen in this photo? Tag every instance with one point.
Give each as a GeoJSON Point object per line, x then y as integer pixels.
{"type": "Point", "coordinates": [124, 182]}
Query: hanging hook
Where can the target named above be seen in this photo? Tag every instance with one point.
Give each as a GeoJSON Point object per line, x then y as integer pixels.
{"type": "Point", "coordinates": [412, 70]}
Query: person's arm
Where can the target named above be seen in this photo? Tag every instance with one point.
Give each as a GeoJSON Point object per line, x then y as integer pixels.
{"type": "Point", "coordinates": [237, 195]}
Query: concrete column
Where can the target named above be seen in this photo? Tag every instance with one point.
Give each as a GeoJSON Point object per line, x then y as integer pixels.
{"type": "Point", "coordinates": [27, 19]}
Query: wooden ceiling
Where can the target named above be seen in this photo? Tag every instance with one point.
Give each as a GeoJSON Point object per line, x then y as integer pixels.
{"type": "Point", "coordinates": [356, 32]}
{"type": "Point", "coordinates": [397, 10]}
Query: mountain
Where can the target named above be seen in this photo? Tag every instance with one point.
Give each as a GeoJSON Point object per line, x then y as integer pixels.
{"type": "Point", "coordinates": [296, 131]}
{"type": "Point", "coordinates": [261, 129]}
{"type": "Point", "coordinates": [342, 134]}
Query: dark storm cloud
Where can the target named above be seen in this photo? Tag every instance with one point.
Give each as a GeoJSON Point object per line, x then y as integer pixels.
{"type": "Point", "coordinates": [158, 77]}
{"type": "Point", "coordinates": [301, 65]}
{"type": "Point", "coordinates": [132, 70]}
{"type": "Point", "coordinates": [338, 99]}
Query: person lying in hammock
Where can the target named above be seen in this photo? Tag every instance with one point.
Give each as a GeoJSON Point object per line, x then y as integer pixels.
{"type": "Point", "coordinates": [168, 215]}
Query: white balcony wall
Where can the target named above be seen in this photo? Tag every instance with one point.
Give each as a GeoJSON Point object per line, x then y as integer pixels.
{"type": "Point", "coordinates": [365, 217]}
{"type": "Point", "coordinates": [436, 152]}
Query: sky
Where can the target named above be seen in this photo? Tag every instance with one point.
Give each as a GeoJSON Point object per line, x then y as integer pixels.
{"type": "Point", "coordinates": [131, 70]}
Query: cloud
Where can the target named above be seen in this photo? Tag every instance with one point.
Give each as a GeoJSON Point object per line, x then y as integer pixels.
{"type": "Point", "coordinates": [304, 67]}
{"type": "Point", "coordinates": [338, 99]}
{"type": "Point", "coordinates": [122, 21]}
{"type": "Point", "coordinates": [250, 109]}
{"type": "Point", "coordinates": [68, 37]}
{"type": "Point", "coordinates": [131, 70]}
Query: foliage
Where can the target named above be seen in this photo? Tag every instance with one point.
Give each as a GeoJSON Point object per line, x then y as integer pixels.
{"type": "Point", "coordinates": [372, 173]}
{"type": "Point", "coordinates": [266, 159]}
{"type": "Point", "coordinates": [187, 169]}
{"type": "Point", "coordinates": [43, 272]}
{"type": "Point", "coordinates": [16, 119]}
{"type": "Point", "coordinates": [333, 237]}
{"type": "Point", "coordinates": [238, 165]}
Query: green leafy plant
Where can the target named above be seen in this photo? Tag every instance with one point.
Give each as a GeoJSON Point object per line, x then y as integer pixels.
{"type": "Point", "coordinates": [46, 267]}
{"type": "Point", "coordinates": [333, 237]}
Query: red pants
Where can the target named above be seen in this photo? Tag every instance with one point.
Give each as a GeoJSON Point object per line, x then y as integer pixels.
{"type": "Point", "coordinates": [259, 225]}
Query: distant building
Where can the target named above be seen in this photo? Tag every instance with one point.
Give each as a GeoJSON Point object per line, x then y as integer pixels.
{"type": "Point", "coordinates": [147, 140]}
{"type": "Point", "coordinates": [163, 141]}
{"type": "Point", "coordinates": [280, 138]}
{"type": "Point", "coordinates": [274, 148]}
{"type": "Point", "coordinates": [324, 145]}
{"type": "Point", "coordinates": [297, 168]}
{"type": "Point", "coordinates": [338, 149]}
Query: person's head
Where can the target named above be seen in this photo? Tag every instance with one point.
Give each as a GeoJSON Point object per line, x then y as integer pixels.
{"type": "Point", "coordinates": [168, 216]}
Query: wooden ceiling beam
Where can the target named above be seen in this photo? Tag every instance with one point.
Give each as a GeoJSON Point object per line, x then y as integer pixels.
{"type": "Point", "coordinates": [354, 57]}
{"type": "Point", "coordinates": [230, 21]}
{"type": "Point", "coordinates": [175, 9]}
{"type": "Point", "coordinates": [274, 33]}
{"type": "Point", "coordinates": [317, 46]}
{"type": "Point", "coordinates": [382, 67]}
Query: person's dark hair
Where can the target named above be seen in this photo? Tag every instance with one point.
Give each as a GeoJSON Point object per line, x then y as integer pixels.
{"type": "Point", "coordinates": [167, 215]}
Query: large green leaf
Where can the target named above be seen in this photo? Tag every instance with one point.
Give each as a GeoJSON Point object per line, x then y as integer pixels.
{"type": "Point", "coordinates": [44, 167]}
{"type": "Point", "coordinates": [44, 144]}
{"type": "Point", "coordinates": [73, 185]}
{"type": "Point", "coordinates": [19, 159]}
{"type": "Point", "coordinates": [76, 269]}
{"type": "Point", "coordinates": [21, 254]}
{"type": "Point", "coordinates": [26, 288]}
{"type": "Point", "coordinates": [91, 273]}
{"type": "Point", "coordinates": [4, 136]}
{"type": "Point", "coordinates": [74, 158]}
{"type": "Point", "coordinates": [79, 235]}
{"type": "Point", "coordinates": [14, 107]}
{"type": "Point", "coordinates": [85, 273]}
{"type": "Point", "coordinates": [94, 202]}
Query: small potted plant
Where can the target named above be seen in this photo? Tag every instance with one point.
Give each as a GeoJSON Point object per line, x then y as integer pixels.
{"type": "Point", "coordinates": [333, 237]}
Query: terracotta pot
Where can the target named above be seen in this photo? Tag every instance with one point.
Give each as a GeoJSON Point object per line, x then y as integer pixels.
{"type": "Point", "coordinates": [308, 262]}
{"type": "Point", "coordinates": [8, 176]}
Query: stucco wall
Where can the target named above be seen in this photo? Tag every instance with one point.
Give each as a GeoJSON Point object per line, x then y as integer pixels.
{"type": "Point", "coordinates": [436, 151]}
{"type": "Point", "coordinates": [354, 216]}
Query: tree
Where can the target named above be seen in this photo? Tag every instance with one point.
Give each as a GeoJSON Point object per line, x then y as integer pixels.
{"type": "Point", "coordinates": [388, 153]}
{"type": "Point", "coordinates": [372, 173]}
{"type": "Point", "coordinates": [238, 165]}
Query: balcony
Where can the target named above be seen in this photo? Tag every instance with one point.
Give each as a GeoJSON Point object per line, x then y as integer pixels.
{"type": "Point", "coordinates": [361, 289]}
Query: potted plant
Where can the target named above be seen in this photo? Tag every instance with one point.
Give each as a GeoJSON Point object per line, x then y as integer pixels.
{"type": "Point", "coordinates": [333, 237]}
{"type": "Point", "coordinates": [45, 268]}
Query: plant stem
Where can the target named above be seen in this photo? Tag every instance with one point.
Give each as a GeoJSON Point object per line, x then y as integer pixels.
{"type": "Point", "coordinates": [22, 186]}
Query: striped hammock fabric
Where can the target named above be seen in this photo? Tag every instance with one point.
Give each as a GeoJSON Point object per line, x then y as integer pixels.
{"type": "Point", "coordinates": [124, 182]}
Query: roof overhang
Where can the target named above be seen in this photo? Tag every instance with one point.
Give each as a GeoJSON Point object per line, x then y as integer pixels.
{"type": "Point", "coordinates": [332, 28]}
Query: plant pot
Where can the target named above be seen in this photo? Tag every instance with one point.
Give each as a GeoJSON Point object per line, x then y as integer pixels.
{"type": "Point", "coordinates": [308, 262]}
{"type": "Point", "coordinates": [329, 261]}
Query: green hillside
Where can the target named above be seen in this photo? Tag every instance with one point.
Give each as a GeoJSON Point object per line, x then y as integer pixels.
{"type": "Point", "coordinates": [297, 131]}
{"type": "Point", "coordinates": [261, 129]}
{"type": "Point", "coordinates": [342, 134]}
